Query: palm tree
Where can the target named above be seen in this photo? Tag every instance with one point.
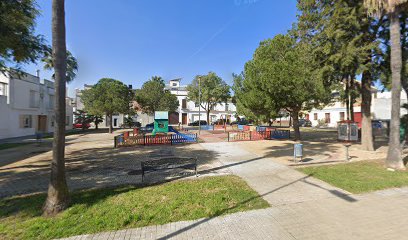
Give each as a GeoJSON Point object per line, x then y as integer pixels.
{"type": "Point", "coordinates": [72, 65]}
{"type": "Point", "coordinates": [393, 8]}
{"type": "Point", "coordinates": [58, 194]}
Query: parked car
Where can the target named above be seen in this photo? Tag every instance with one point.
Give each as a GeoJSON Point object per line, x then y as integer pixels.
{"type": "Point", "coordinates": [305, 123]}
{"type": "Point", "coordinates": [79, 125]}
{"type": "Point", "coordinates": [197, 123]}
{"type": "Point", "coordinates": [150, 125]}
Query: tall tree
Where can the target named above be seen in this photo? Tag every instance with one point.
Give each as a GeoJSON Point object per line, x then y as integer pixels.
{"type": "Point", "coordinates": [393, 8]}
{"type": "Point", "coordinates": [72, 65]}
{"type": "Point", "coordinates": [58, 194]}
{"type": "Point", "coordinates": [154, 97]}
{"type": "Point", "coordinates": [251, 101]}
{"type": "Point", "coordinates": [213, 89]}
{"type": "Point", "coordinates": [346, 44]}
{"type": "Point", "coordinates": [108, 96]}
{"type": "Point", "coordinates": [18, 41]}
{"type": "Point", "coordinates": [283, 74]}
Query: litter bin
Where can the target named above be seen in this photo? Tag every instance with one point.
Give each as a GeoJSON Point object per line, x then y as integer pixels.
{"type": "Point", "coordinates": [298, 151]}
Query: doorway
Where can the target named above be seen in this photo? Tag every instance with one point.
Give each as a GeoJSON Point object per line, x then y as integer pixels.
{"type": "Point", "coordinates": [184, 118]}
{"type": "Point", "coordinates": [42, 123]}
{"type": "Point", "coordinates": [115, 122]}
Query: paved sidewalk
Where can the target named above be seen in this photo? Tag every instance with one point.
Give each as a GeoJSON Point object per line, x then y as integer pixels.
{"type": "Point", "coordinates": [302, 208]}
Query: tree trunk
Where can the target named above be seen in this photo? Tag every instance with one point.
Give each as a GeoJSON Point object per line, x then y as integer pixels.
{"type": "Point", "coordinates": [96, 126]}
{"type": "Point", "coordinates": [296, 128]}
{"type": "Point", "coordinates": [208, 116]}
{"type": "Point", "coordinates": [110, 123]}
{"type": "Point", "coordinates": [352, 98]}
{"type": "Point", "coordinates": [367, 141]}
{"type": "Point", "coordinates": [394, 158]}
{"type": "Point", "coordinates": [347, 93]}
{"type": "Point", "coordinates": [58, 194]}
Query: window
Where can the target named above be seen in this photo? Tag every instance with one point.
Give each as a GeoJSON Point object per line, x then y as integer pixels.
{"type": "Point", "coordinates": [51, 102]}
{"type": "Point", "coordinates": [196, 104]}
{"type": "Point", "coordinates": [315, 117]}
{"type": "Point", "coordinates": [3, 89]}
{"type": "Point", "coordinates": [342, 116]}
{"type": "Point", "coordinates": [226, 107]}
{"type": "Point", "coordinates": [327, 117]}
{"type": "Point", "coordinates": [52, 121]}
{"type": "Point", "coordinates": [33, 99]}
{"type": "Point", "coordinates": [184, 103]}
{"type": "Point", "coordinates": [67, 121]}
{"type": "Point", "coordinates": [174, 84]}
{"type": "Point", "coordinates": [26, 121]}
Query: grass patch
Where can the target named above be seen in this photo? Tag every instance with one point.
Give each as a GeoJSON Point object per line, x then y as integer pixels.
{"type": "Point", "coordinates": [112, 209]}
{"type": "Point", "coordinates": [359, 177]}
{"type": "Point", "coordinates": [11, 145]}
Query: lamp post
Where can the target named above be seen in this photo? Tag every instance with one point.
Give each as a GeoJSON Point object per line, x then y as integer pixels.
{"type": "Point", "coordinates": [199, 105]}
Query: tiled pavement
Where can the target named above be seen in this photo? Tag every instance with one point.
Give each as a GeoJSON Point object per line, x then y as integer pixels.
{"type": "Point", "coordinates": [302, 208]}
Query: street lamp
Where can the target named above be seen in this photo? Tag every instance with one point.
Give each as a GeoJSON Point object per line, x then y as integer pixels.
{"type": "Point", "coordinates": [199, 105]}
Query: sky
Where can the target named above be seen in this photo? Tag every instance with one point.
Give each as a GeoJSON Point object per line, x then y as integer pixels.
{"type": "Point", "coordinates": [133, 40]}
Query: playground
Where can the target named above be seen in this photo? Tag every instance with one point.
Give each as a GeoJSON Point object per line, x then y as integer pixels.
{"type": "Point", "coordinates": [162, 133]}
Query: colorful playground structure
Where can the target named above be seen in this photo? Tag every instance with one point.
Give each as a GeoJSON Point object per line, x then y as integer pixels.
{"type": "Point", "coordinates": [162, 133]}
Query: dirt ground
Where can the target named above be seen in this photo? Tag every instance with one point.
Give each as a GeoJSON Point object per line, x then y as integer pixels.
{"type": "Point", "coordinates": [92, 162]}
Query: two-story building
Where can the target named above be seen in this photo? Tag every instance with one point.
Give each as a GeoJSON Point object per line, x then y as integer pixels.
{"type": "Point", "coordinates": [27, 105]}
{"type": "Point", "coordinates": [331, 114]}
{"type": "Point", "coordinates": [190, 111]}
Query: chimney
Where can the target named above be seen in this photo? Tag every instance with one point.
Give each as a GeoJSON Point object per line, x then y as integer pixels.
{"type": "Point", "coordinates": [38, 73]}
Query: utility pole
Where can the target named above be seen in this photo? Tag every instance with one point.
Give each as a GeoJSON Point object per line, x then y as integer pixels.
{"type": "Point", "coordinates": [199, 105]}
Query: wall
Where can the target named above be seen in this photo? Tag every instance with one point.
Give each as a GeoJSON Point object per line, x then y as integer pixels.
{"type": "Point", "coordinates": [21, 102]}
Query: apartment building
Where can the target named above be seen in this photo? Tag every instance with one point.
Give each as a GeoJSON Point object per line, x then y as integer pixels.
{"type": "Point", "coordinates": [27, 105]}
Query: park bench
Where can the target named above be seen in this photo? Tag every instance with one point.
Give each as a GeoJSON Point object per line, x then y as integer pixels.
{"type": "Point", "coordinates": [168, 163]}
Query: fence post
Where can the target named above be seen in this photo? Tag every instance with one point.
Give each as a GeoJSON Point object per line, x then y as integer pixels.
{"type": "Point", "coordinates": [228, 136]}
{"type": "Point", "coordinates": [250, 136]}
{"type": "Point", "coordinates": [196, 137]}
{"type": "Point", "coordinates": [171, 139]}
{"type": "Point", "coordinates": [144, 140]}
{"type": "Point", "coordinates": [115, 140]}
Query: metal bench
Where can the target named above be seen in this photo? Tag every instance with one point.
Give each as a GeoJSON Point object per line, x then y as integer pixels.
{"type": "Point", "coordinates": [168, 163]}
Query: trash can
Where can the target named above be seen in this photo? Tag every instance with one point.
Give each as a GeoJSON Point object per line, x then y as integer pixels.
{"type": "Point", "coordinates": [298, 151]}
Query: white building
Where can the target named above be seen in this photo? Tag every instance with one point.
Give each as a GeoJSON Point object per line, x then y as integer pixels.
{"type": "Point", "coordinates": [189, 111]}
{"type": "Point", "coordinates": [333, 113]}
{"type": "Point", "coordinates": [27, 105]}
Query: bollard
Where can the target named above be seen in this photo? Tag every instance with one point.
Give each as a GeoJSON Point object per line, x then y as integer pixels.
{"type": "Point", "coordinates": [347, 151]}
{"type": "Point", "coordinates": [297, 151]}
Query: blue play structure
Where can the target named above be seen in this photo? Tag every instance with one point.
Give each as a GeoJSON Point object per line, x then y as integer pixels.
{"type": "Point", "coordinates": [186, 137]}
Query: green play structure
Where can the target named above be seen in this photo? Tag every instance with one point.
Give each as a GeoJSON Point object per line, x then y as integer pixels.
{"type": "Point", "coordinates": [161, 122]}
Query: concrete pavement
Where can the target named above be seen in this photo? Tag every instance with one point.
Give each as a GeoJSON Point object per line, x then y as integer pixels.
{"type": "Point", "coordinates": [302, 208]}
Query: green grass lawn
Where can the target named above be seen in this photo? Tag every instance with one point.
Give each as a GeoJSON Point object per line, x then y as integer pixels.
{"type": "Point", "coordinates": [359, 177]}
{"type": "Point", "coordinates": [111, 209]}
{"type": "Point", "coordinates": [11, 145]}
